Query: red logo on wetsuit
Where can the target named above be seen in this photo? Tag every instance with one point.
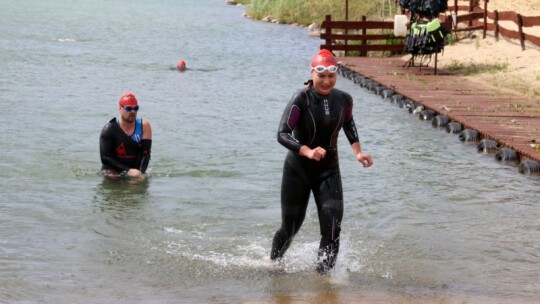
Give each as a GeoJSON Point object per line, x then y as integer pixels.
{"type": "Point", "coordinates": [121, 150]}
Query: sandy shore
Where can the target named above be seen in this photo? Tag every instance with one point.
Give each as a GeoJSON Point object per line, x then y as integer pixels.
{"type": "Point", "coordinates": [524, 7]}
{"type": "Point", "coordinates": [522, 74]}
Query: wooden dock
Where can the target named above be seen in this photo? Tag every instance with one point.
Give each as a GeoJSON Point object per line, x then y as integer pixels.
{"type": "Point", "coordinates": [512, 121]}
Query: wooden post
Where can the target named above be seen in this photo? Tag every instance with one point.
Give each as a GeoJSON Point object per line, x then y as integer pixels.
{"type": "Point", "coordinates": [455, 6]}
{"type": "Point", "coordinates": [346, 10]}
{"type": "Point", "coordinates": [496, 24]}
{"type": "Point", "coordinates": [346, 19]}
{"type": "Point", "coordinates": [485, 18]}
{"type": "Point", "coordinates": [521, 34]}
{"type": "Point", "coordinates": [452, 27]}
{"type": "Point", "coordinates": [448, 23]}
{"type": "Point", "coordinates": [364, 32]}
{"type": "Point", "coordinates": [470, 11]}
{"type": "Point", "coordinates": [328, 30]}
{"type": "Point", "coordinates": [435, 63]}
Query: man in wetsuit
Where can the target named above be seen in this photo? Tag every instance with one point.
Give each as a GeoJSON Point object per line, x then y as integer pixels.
{"type": "Point", "coordinates": [125, 142]}
{"type": "Point", "coordinates": [309, 128]}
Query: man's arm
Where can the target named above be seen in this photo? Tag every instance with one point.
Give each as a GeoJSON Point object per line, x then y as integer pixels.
{"type": "Point", "coordinates": [146, 144]}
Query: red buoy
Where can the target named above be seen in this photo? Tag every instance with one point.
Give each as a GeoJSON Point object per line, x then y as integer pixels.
{"type": "Point", "coordinates": [181, 65]}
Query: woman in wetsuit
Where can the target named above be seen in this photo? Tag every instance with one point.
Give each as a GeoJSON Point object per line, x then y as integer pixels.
{"type": "Point", "coordinates": [309, 128]}
{"type": "Point", "coordinates": [125, 142]}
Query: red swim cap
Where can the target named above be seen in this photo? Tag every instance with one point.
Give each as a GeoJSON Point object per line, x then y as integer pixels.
{"type": "Point", "coordinates": [323, 57]}
{"type": "Point", "coordinates": [128, 99]}
{"type": "Point", "coordinates": [181, 65]}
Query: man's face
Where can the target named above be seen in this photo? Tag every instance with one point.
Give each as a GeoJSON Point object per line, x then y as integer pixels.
{"type": "Point", "coordinates": [128, 113]}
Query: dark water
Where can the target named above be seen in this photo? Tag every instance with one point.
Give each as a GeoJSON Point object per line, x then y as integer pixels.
{"type": "Point", "coordinates": [431, 221]}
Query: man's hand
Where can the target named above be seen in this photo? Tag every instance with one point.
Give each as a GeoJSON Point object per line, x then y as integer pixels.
{"type": "Point", "coordinates": [135, 174]}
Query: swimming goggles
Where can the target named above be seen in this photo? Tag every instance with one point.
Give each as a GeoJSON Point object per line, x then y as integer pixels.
{"type": "Point", "coordinates": [130, 108]}
{"type": "Point", "coordinates": [322, 68]}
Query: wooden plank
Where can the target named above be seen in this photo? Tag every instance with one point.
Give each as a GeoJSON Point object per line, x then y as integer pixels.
{"type": "Point", "coordinates": [367, 47]}
{"type": "Point", "coordinates": [356, 37]}
{"type": "Point", "coordinates": [471, 16]}
{"type": "Point", "coordinates": [507, 16]}
{"type": "Point", "coordinates": [530, 21]}
{"type": "Point", "coordinates": [509, 33]}
{"type": "Point", "coordinates": [470, 28]}
{"type": "Point", "coordinates": [358, 24]}
{"type": "Point", "coordinates": [533, 39]}
{"type": "Point", "coordinates": [460, 8]}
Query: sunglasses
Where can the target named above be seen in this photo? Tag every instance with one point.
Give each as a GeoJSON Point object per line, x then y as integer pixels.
{"type": "Point", "coordinates": [322, 68]}
{"type": "Point", "coordinates": [130, 108]}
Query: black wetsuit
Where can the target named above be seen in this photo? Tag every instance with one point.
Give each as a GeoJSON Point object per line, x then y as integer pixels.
{"type": "Point", "coordinates": [121, 152]}
{"type": "Point", "coordinates": [313, 120]}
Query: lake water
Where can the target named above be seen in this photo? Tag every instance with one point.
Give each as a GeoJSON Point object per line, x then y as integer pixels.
{"type": "Point", "coordinates": [432, 221]}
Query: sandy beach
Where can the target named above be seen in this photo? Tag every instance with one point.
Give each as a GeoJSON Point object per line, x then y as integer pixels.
{"type": "Point", "coordinates": [522, 73]}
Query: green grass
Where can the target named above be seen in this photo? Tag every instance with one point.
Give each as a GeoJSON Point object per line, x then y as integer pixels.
{"type": "Point", "coordinates": [306, 12]}
{"type": "Point", "coordinates": [456, 67]}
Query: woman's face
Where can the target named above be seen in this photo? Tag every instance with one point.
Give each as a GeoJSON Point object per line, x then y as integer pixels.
{"type": "Point", "coordinates": [323, 82]}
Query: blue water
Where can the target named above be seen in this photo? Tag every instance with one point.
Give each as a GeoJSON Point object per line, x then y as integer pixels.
{"type": "Point", "coordinates": [431, 221]}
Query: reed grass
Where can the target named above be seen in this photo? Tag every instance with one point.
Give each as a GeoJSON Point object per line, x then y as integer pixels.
{"type": "Point", "coordinates": [306, 12]}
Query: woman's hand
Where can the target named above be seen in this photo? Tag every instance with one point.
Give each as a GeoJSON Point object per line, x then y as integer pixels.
{"type": "Point", "coordinates": [364, 159]}
{"type": "Point", "coordinates": [315, 154]}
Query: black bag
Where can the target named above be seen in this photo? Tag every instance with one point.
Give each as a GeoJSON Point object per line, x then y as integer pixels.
{"type": "Point", "coordinates": [425, 8]}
